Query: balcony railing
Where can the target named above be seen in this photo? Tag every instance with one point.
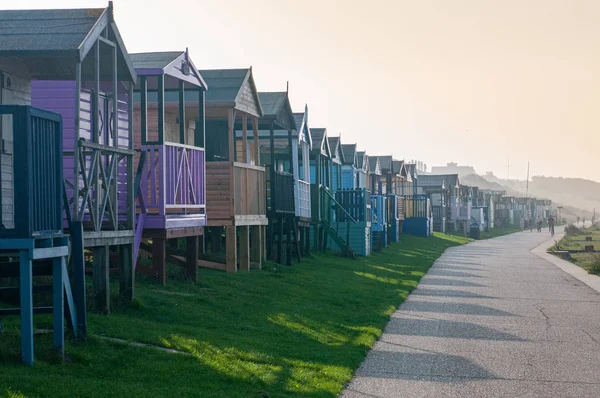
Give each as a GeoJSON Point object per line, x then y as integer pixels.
{"type": "Point", "coordinates": [303, 199]}
{"type": "Point", "coordinates": [281, 190]}
{"type": "Point", "coordinates": [31, 172]}
{"type": "Point", "coordinates": [356, 204]}
{"type": "Point", "coordinates": [174, 179]}
{"type": "Point", "coordinates": [249, 189]}
{"type": "Point", "coordinates": [416, 207]}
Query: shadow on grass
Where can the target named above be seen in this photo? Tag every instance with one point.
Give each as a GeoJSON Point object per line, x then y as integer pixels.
{"type": "Point", "coordinates": [284, 331]}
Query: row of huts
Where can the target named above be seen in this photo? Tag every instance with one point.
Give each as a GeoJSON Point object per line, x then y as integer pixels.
{"type": "Point", "coordinates": [132, 161]}
{"type": "Point", "coordinates": [457, 207]}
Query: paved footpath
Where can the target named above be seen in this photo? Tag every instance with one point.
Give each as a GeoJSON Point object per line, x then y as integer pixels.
{"type": "Point", "coordinates": [490, 319]}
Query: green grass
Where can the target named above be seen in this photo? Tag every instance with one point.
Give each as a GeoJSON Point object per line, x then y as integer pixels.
{"type": "Point", "coordinates": [577, 242]}
{"type": "Point", "coordinates": [281, 332]}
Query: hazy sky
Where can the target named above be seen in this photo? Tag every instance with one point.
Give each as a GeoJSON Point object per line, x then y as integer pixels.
{"type": "Point", "coordinates": [471, 81]}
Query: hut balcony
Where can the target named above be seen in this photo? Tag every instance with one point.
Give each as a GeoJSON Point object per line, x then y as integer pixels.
{"type": "Point", "coordinates": [235, 194]}
{"type": "Point", "coordinates": [281, 199]}
{"type": "Point", "coordinates": [172, 186]}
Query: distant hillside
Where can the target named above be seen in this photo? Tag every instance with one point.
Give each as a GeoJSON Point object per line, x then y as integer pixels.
{"type": "Point", "coordinates": [578, 196]}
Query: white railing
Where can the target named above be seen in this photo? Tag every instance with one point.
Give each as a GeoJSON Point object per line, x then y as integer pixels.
{"type": "Point", "coordinates": [302, 199]}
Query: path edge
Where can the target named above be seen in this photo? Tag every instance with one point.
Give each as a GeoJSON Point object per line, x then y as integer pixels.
{"type": "Point", "coordinates": [593, 281]}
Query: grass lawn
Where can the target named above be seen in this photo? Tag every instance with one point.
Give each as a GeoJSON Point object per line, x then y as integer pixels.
{"type": "Point", "coordinates": [576, 241]}
{"type": "Point", "coordinates": [281, 332]}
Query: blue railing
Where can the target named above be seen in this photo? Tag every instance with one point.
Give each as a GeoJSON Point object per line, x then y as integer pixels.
{"type": "Point", "coordinates": [32, 167]}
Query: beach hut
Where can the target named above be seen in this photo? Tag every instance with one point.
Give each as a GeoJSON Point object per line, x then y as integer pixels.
{"type": "Point", "coordinates": [304, 144]}
{"type": "Point", "coordinates": [278, 144]}
{"type": "Point", "coordinates": [169, 132]}
{"type": "Point", "coordinates": [235, 180]}
{"type": "Point", "coordinates": [94, 98]}
{"type": "Point", "coordinates": [440, 188]}
{"type": "Point", "coordinates": [57, 60]}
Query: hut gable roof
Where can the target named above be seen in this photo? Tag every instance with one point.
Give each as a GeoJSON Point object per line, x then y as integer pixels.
{"type": "Point", "coordinates": [362, 161]}
{"type": "Point", "coordinates": [173, 63]}
{"type": "Point", "coordinates": [232, 88]}
{"type": "Point", "coordinates": [336, 152]}
{"type": "Point", "coordinates": [431, 180]}
{"type": "Point", "coordinates": [50, 42]}
{"type": "Point", "coordinates": [374, 165]}
{"type": "Point", "coordinates": [349, 152]}
{"type": "Point", "coordinates": [386, 164]}
{"type": "Point", "coordinates": [302, 128]}
{"type": "Point", "coordinates": [320, 141]}
{"type": "Point", "coordinates": [276, 107]}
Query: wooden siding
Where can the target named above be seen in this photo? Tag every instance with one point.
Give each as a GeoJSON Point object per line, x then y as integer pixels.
{"type": "Point", "coordinates": [16, 90]}
{"type": "Point", "coordinates": [59, 97]}
{"type": "Point", "coordinates": [234, 189]}
{"type": "Point", "coordinates": [360, 238]}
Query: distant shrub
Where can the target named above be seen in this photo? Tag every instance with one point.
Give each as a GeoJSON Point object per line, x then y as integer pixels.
{"type": "Point", "coordinates": [594, 267]}
{"type": "Point", "coordinates": [572, 230]}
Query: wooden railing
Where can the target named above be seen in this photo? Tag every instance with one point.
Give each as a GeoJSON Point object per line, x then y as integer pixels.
{"type": "Point", "coordinates": [103, 199]}
{"type": "Point", "coordinates": [416, 206]}
{"type": "Point", "coordinates": [280, 192]}
{"type": "Point", "coordinates": [249, 189]}
{"type": "Point", "coordinates": [31, 170]}
{"type": "Point", "coordinates": [401, 208]}
{"type": "Point", "coordinates": [355, 203]}
{"type": "Point", "coordinates": [173, 180]}
{"type": "Point", "coordinates": [303, 206]}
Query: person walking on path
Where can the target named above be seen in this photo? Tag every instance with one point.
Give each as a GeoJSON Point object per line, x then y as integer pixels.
{"type": "Point", "coordinates": [551, 225]}
{"type": "Point", "coordinates": [539, 224]}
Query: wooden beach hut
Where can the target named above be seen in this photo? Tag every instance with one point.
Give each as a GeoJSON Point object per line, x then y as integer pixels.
{"type": "Point", "coordinates": [235, 180]}
{"type": "Point", "coordinates": [51, 152]}
{"type": "Point", "coordinates": [169, 132]}
{"type": "Point", "coordinates": [440, 188]}
{"type": "Point", "coordinates": [94, 98]}
{"type": "Point", "coordinates": [279, 155]}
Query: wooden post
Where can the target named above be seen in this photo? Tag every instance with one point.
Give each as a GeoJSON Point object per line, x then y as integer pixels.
{"type": "Point", "coordinates": [231, 134]}
{"type": "Point", "coordinates": [58, 304]}
{"type": "Point", "coordinates": [101, 278]}
{"type": "Point", "coordinates": [272, 169]}
{"type": "Point", "coordinates": [301, 237]}
{"type": "Point", "coordinates": [256, 247]}
{"type": "Point", "coordinates": [161, 109]}
{"type": "Point", "coordinates": [307, 241]}
{"type": "Point", "coordinates": [182, 129]}
{"type": "Point", "coordinates": [76, 112]}
{"type": "Point", "coordinates": [256, 141]}
{"type": "Point", "coordinates": [143, 108]}
{"type": "Point", "coordinates": [159, 259]}
{"type": "Point", "coordinates": [79, 290]}
{"type": "Point", "coordinates": [245, 138]}
{"type": "Point", "coordinates": [191, 270]}
{"type": "Point", "coordinates": [280, 240]}
{"type": "Point", "coordinates": [288, 232]}
{"type": "Point", "coordinates": [245, 248]}
{"type": "Point", "coordinates": [127, 272]}
{"type": "Point", "coordinates": [231, 248]}
{"type": "Point", "coordinates": [26, 291]}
